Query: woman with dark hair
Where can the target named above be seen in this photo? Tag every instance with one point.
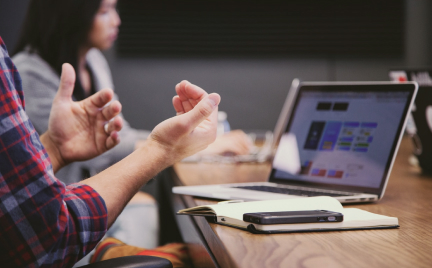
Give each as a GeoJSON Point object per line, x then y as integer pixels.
{"type": "Point", "coordinates": [58, 31]}
{"type": "Point", "coordinates": [72, 31]}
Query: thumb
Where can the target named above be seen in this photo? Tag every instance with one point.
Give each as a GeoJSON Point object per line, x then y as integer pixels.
{"type": "Point", "coordinates": [202, 110]}
{"type": "Point", "coordinates": [67, 82]}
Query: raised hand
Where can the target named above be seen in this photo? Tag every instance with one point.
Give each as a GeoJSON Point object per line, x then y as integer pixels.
{"type": "Point", "coordinates": [235, 142]}
{"type": "Point", "coordinates": [194, 127]}
{"type": "Point", "coordinates": [188, 96]}
{"type": "Point", "coordinates": [80, 130]}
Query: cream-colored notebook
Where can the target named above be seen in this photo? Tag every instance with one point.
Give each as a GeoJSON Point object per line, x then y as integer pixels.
{"type": "Point", "coordinates": [231, 213]}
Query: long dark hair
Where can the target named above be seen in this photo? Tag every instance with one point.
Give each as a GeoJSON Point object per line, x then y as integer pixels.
{"type": "Point", "coordinates": [56, 29]}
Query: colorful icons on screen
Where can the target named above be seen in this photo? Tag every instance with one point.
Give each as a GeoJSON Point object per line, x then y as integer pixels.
{"type": "Point", "coordinates": [342, 136]}
{"type": "Point", "coordinates": [337, 136]}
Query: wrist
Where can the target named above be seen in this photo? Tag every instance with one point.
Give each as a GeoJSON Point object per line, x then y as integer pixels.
{"type": "Point", "coordinates": [53, 151]}
{"type": "Point", "coordinates": [161, 153]}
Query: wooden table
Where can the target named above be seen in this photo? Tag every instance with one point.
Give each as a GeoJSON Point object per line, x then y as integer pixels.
{"type": "Point", "coordinates": [408, 197]}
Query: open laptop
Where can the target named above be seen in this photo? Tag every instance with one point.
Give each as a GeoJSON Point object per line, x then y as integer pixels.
{"type": "Point", "coordinates": [340, 140]}
{"type": "Point", "coordinates": [419, 125]}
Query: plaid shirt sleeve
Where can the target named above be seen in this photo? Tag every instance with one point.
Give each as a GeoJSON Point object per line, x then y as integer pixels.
{"type": "Point", "coordinates": [43, 223]}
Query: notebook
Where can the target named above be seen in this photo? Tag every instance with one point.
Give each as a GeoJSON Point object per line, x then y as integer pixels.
{"type": "Point", "coordinates": [419, 125]}
{"type": "Point", "coordinates": [267, 150]}
{"type": "Point", "coordinates": [340, 140]}
{"type": "Point", "coordinates": [231, 214]}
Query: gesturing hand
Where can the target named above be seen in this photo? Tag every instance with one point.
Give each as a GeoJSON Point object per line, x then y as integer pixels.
{"type": "Point", "coordinates": [194, 127]}
{"type": "Point", "coordinates": [76, 130]}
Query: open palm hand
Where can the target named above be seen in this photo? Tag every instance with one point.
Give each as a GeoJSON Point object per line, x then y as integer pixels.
{"type": "Point", "coordinates": [77, 129]}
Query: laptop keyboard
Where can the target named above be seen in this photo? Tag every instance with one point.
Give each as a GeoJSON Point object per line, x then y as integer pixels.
{"type": "Point", "coordinates": [288, 191]}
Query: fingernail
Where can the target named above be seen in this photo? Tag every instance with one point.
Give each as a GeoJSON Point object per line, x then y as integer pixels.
{"type": "Point", "coordinates": [214, 99]}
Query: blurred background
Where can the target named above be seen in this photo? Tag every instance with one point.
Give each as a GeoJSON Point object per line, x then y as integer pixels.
{"type": "Point", "coordinates": [249, 51]}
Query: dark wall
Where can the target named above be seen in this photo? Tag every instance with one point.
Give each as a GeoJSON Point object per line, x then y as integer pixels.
{"type": "Point", "coordinates": [12, 13]}
{"type": "Point", "coordinates": [418, 36]}
{"type": "Point", "coordinates": [257, 28]}
{"type": "Point", "coordinates": [252, 89]}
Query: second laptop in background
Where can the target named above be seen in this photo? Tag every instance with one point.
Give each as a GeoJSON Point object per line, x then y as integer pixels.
{"type": "Point", "coordinates": [419, 125]}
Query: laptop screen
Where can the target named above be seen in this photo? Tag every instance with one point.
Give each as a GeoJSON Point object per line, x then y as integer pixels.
{"type": "Point", "coordinates": [342, 135]}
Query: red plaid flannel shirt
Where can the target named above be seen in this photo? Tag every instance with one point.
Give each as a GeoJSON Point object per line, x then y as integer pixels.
{"type": "Point", "coordinates": [43, 223]}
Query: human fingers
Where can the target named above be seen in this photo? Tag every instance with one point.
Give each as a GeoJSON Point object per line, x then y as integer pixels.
{"type": "Point", "coordinates": [233, 142]}
{"type": "Point", "coordinates": [112, 140]}
{"type": "Point", "coordinates": [189, 94]}
{"type": "Point", "coordinates": [182, 102]}
{"type": "Point", "coordinates": [111, 110]}
{"type": "Point", "coordinates": [235, 149]}
{"type": "Point", "coordinates": [187, 90]}
{"type": "Point", "coordinates": [67, 82]}
{"type": "Point", "coordinates": [99, 99]}
{"type": "Point", "coordinates": [114, 125]}
{"type": "Point", "coordinates": [243, 140]}
{"type": "Point", "coordinates": [240, 148]}
{"type": "Point", "coordinates": [202, 111]}
{"type": "Point", "coordinates": [178, 107]}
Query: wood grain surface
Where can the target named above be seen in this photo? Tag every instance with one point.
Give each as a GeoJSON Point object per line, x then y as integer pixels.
{"type": "Point", "coordinates": [408, 196]}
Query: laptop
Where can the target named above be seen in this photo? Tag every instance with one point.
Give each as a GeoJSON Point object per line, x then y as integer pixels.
{"type": "Point", "coordinates": [340, 140]}
{"type": "Point", "coordinates": [419, 125]}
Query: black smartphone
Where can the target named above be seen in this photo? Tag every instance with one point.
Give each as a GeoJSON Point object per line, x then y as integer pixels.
{"type": "Point", "coordinates": [303, 216]}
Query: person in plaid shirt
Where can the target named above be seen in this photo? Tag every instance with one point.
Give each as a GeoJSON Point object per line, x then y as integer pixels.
{"type": "Point", "coordinates": [44, 223]}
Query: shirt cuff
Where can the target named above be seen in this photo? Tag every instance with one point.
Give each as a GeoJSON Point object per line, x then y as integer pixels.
{"type": "Point", "coordinates": [88, 210]}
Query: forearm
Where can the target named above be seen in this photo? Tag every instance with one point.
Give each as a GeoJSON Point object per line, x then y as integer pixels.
{"type": "Point", "coordinates": [118, 183]}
